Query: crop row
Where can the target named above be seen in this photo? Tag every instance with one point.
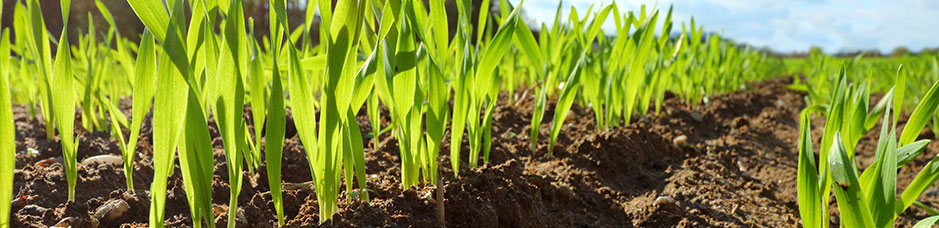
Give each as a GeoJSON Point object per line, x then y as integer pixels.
{"type": "Point", "coordinates": [197, 60]}
{"type": "Point", "coordinates": [840, 90]}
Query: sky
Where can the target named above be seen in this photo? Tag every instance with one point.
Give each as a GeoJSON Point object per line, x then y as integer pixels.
{"type": "Point", "coordinates": [787, 25]}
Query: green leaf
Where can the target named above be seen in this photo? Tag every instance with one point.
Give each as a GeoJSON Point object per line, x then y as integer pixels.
{"type": "Point", "coordinates": [878, 110]}
{"type": "Point", "coordinates": [113, 113]}
{"type": "Point", "coordinates": [924, 110]}
{"type": "Point", "coordinates": [64, 110]}
{"type": "Point", "coordinates": [882, 193]}
{"type": "Point", "coordinates": [900, 90]}
{"type": "Point", "coordinates": [536, 117]}
{"type": "Point", "coordinates": [168, 119]}
{"type": "Point", "coordinates": [197, 163]}
{"type": "Point", "coordinates": [167, 27]}
{"type": "Point", "coordinates": [374, 117]}
{"type": "Point", "coordinates": [301, 104]}
{"type": "Point", "coordinates": [144, 87]}
{"type": "Point", "coordinates": [276, 114]}
{"type": "Point", "coordinates": [494, 51]}
{"type": "Point", "coordinates": [153, 14]}
{"type": "Point", "coordinates": [483, 17]}
{"type": "Point", "coordinates": [854, 210]}
{"type": "Point", "coordinates": [107, 16]}
{"type": "Point", "coordinates": [438, 14]}
{"type": "Point", "coordinates": [258, 95]}
{"type": "Point", "coordinates": [565, 102]}
{"type": "Point", "coordinates": [65, 6]}
{"type": "Point", "coordinates": [276, 123]}
{"type": "Point", "coordinates": [355, 155]}
{"type": "Point", "coordinates": [230, 103]}
{"type": "Point", "coordinates": [908, 153]}
{"type": "Point", "coordinates": [926, 177]}
{"type": "Point", "coordinates": [39, 45]}
{"type": "Point", "coordinates": [525, 40]}
{"type": "Point", "coordinates": [345, 25]}
{"type": "Point", "coordinates": [7, 130]}
{"type": "Point", "coordinates": [927, 222]}
{"type": "Point", "coordinates": [405, 93]}
{"type": "Point", "coordinates": [809, 195]}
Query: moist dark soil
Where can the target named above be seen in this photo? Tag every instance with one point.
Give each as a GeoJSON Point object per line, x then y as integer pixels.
{"type": "Point", "coordinates": [728, 163]}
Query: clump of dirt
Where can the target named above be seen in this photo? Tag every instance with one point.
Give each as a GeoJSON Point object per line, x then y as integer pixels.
{"type": "Point", "coordinates": [728, 163]}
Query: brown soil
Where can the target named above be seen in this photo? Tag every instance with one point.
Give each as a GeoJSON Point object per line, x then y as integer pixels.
{"type": "Point", "coordinates": [737, 168]}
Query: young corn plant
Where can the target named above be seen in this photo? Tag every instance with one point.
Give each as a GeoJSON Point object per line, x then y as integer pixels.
{"type": "Point", "coordinates": [64, 105]}
{"type": "Point", "coordinates": [276, 114]}
{"type": "Point", "coordinates": [31, 28]}
{"type": "Point", "coordinates": [573, 82]}
{"type": "Point", "coordinates": [144, 88]}
{"type": "Point", "coordinates": [636, 75]}
{"type": "Point", "coordinates": [92, 82]}
{"type": "Point", "coordinates": [476, 86]}
{"type": "Point", "coordinates": [343, 90]}
{"type": "Point", "coordinates": [432, 70]}
{"type": "Point", "coordinates": [407, 111]}
{"type": "Point", "coordinates": [167, 121]}
{"type": "Point", "coordinates": [548, 54]}
{"type": "Point", "coordinates": [229, 103]}
{"type": "Point", "coordinates": [178, 106]}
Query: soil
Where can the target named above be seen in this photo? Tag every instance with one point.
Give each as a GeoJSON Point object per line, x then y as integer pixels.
{"type": "Point", "coordinates": [728, 163]}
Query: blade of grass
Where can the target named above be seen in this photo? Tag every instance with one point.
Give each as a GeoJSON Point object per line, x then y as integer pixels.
{"type": "Point", "coordinates": [197, 163]}
{"type": "Point", "coordinates": [7, 131]}
{"type": "Point", "coordinates": [144, 88]}
{"type": "Point", "coordinates": [64, 110]}
{"type": "Point", "coordinates": [927, 222]}
{"type": "Point", "coordinates": [168, 118]}
{"type": "Point", "coordinates": [808, 194]}
{"type": "Point", "coordinates": [920, 116]}
{"type": "Point", "coordinates": [230, 102]}
{"type": "Point", "coordinates": [565, 101]}
{"type": "Point", "coordinates": [276, 114]}
{"type": "Point", "coordinates": [273, 147]}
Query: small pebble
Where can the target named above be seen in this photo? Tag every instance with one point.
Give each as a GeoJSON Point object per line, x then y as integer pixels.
{"type": "Point", "coordinates": [680, 140]}
{"type": "Point", "coordinates": [112, 210]}
{"type": "Point", "coordinates": [49, 161]}
{"type": "Point", "coordinates": [66, 222]}
{"type": "Point", "coordinates": [661, 200]}
{"type": "Point", "coordinates": [110, 159]}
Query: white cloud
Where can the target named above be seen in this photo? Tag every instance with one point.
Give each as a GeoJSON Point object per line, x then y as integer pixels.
{"type": "Point", "coordinates": [793, 25]}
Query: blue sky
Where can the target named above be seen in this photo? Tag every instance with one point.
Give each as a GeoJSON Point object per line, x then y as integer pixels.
{"type": "Point", "coordinates": [789, 25]}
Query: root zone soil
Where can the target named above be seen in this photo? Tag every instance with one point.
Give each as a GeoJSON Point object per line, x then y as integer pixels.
{"type": "Point", "coordinates": [729, 163]}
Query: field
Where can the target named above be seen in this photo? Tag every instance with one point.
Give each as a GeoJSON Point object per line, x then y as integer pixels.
{"type": "Point", "coordinates": [383, 114]}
